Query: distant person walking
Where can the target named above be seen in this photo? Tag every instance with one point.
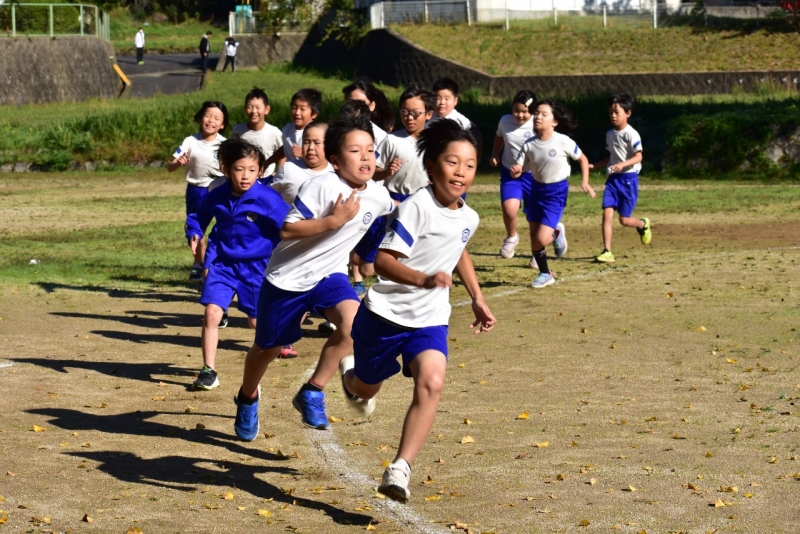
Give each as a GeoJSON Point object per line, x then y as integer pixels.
{"type": "Point", "coordinates": [138, 42]}
{"type": "Point", "coordinates": [205, 48]}
{"type": "Point", "coordinates": [231, 45]}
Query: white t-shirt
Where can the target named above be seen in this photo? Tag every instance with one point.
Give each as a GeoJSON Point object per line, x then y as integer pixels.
{"type": "Point", "coordinates": [379, 134]}
{"type": "Point", "coordinates": [268, 139]}
{"type": "Point", "coordinates": [230, 48]}
{"type": "Point", "coordinates": [138, 41]}
{"type": "Point", "coordinates": [292, 175]}
{"type": "Point", "coordinates": [203, 166]}
{"type": "Point", "coordinates": [548, 159]}
{"type": "Point", "coordinates": [514, 136]}
{"type": "Point", "coordinates": [412, 176]}
{"type": "Point", "coordinates": [453, 116]}
{"type": "Point", "coordinates": [299, 264]}
{"type": "Point", "coordinates": [291, 136]}
{"type": "Point", "coordinates": [432, 237]}
{"type": "Point", "coordinates": [623, 145]}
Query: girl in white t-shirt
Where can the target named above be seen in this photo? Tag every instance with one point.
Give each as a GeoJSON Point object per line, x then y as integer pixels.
{"type": "Point", "coordinates": [198, 153]}
{"type": "Point", "coordinates": [512, 131]}
{"type": "Point", "coordinates": [406, 313]}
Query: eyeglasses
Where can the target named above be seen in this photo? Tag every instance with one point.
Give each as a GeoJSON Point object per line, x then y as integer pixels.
{"type": "Point", "coordinates": [413, 114]}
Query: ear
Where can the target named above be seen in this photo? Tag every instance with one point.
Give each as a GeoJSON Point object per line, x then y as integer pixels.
{"type": "Point", "coordinates": [333, 160]}
{"type": "Point", "coordinates": [371, 106]}
{"type": "Point", "coordinates": [428, 164]}
{"type": "Point", "coordinates": [456, 101]}
{"type": "Point", "coordinates": [267, 109]}
{"type": "Point", "coordinates": [314, 115]}
{"type": "Point", "coordinates": [428, 115]}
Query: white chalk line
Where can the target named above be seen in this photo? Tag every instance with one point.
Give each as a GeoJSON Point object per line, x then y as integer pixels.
{"type": "Point", "coordinates": [332, 454]}
{"type": "Point", "coordinates": [6, 364]}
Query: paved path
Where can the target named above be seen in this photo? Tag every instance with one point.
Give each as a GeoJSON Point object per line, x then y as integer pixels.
{"type": "Point", "coordinates": [164, 74]}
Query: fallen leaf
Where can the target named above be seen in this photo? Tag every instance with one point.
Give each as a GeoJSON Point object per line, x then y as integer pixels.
{"type": "Point", "coordinates": [3, 520]}
{"type": "Point", "coordinates": [729, 489]}
{"type": "Point", "coordinates": [11, 474]}
{"type": "Point", "coordinates": [385, 463]}
{"type": "Point", "coordinates": [730, 360]}
{"type": "Point", "coordinates": [371, 527]}
{"type": "Point", "coordinates": [429, 480]}
{"type": "Point", "coordinates": [199, 426]}
{"type": "Point", "coordinates": [134, 530]}
{"type": "Point", "coordinates": [573, 444]}
{"type": "Point", "coordinates": [584, 523]}
{"type": "Point", "coordinates": [718, 504]}
{"type": "Point", "coordinates": [264, 513]}
{"type": "Point", "coordinates": [613, 346]}
{"type": "Point", "coordinates": [584, 331]}
{"type": "Point", "coordinates": [439, 461]}
{"type": "Point", "coordinates": [629, 489]}
{"type": "Point", "coordinates": [159, 398]}
{"type": "Point", "coordinates": [748, 495]}
{"type": "Point", "coordinates": [523, 415]}
{"type": "Point", "coordinates": [37, 428]}
{"type": "Point", "coordinates": [592, 481]}
{"type": "Point", "coordinates": [189, 409]}
{"type": "Point", "coordinates": [2, 499]}
{"type": "Point", "coordinates": [228, 496]}
{"type": "Point", "coordinates": [87, 519]}
{"type": "Point", "coordinates": [334, 419]}
{"type": "Point", "coordinates": [700, 329]}
{"type": "Point", "coordinates": [670, 295]}
{"type": "Point", "coordinates": [560, 476]}
{"type": "Point", "coordinates": [467, 439]}
{"type": "Point", "coordinates": [241, 508]}
{"type": "Point", "coordinates": [543, 445]}
{"type": "Point", "coordinates": [467, 422]}
{"type": "Point", "coordinates": [709, 455]}
{"type": "Point", "coordinates": [462, 365]}
{"type": "Point", "coordinates": [521, 455]}
{"type": "Point", "coordinates": [433, 498]}
{"type": "Point", "coordinates": [692, 486]}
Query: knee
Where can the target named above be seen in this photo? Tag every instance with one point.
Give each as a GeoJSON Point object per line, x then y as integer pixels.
{"type": "Point", "coordinates": [366, 269]}
{"type": "Point", "coordinates": [432, 386]}
{"type": "Point", "coordinates": [212, 316]}
{"type": "Point", "coordinates": [252, 321]}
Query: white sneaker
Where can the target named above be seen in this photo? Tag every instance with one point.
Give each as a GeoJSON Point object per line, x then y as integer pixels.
{"type": "Point", "coordinates": [395, 481]}
{"type": "Point", "coordinates": [560, 242]}
{"type": "Point", "coordinates": [509, 244]}
{"type": "Point", "coordinates": [362, 406]}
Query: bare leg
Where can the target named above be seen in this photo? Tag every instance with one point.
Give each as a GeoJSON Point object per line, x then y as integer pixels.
{"type": "Point", "coordinates": [255, 365]}
{"type": "Point", "coordinates": [339, 345]}
{"type": "Point", "coordinates": [359, 388]}
{"type": "Point", "coordinates": [510, 210]}
{"type": "Point", "coordinates": [200, 253]}
{"type": "Point", "coordinates": [210, 334]}
{"type": "Point", "coordinates": [541, 236]}
{"type": "Point", "coordinates": [631, 222]}
{"type": "Point", "coordinates": [355, 261]}
{"type": "Point", "coordinates": [608, 220]}
{"type": "Point", "coordinates": [366, 269]}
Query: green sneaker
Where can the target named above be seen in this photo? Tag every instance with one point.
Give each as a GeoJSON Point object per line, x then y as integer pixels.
{"type": "Point", "coordinates": [605, 257]}
{"type": "Point", "coordinates": [646, 234]}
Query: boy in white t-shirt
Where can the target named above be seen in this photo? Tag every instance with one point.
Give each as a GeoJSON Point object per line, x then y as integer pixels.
{"type": "Point", "coordinates": [446, 90]}
{"type": "Point", "coordinates": [307, 271]}
{"type": "Point", "coordinates": [622, 185]}
{"type": "Point", "coordinates": [291, 176]}
{"type": "Point", "coordinates": [256, 130]}
{"type": "Point", "coordinates": [306, 104]}
{"type": "Point", "coordinates": [407, 312]}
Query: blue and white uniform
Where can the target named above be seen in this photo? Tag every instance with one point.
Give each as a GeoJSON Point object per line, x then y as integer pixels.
{"type": "Point", "coordinates": [310, 274]}
{"type": "Point", "coordinates": [202, 169]}
{"type": "Point", "coordinates": [246, 232]}
{"type": "Point", "coordinates": [622, 188]}
{"type": "Point", "coordinates": [397, 319]}
{"type": "Point", "coordinates": [549, 163]}
{"type": "Point", "coordinates": [291, 136]}
{"type": "Point", "coordinates": [453, 116]}
{"type": "Point", "coordinates": [268, 139]}
{"type": "Point", "coordinates": [514, 136]}
{"type": "Point", "coordinates": [292, 175]}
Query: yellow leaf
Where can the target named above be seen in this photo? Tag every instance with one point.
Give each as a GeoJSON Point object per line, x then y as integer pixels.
{"type": "Point", "coordinates": [241, 508]}
{"type": "Point", "coordinates": [629, 489]}
{"type": "Point", "coordinates": [334, 419]}
{"type": "Point", "coordinates": [439, 461]}
{"type": "Point", "coordinates": [37, 428]}
{"type": "Point", "coordinates": [670, 295]}
{"type": "Point", "coordinates": [692, 486]}
{"type": "Point", "coordinates": [592, 481]}
{"type": "Point", "coordinates": [462, 365]}
{"type": "Point", "coordinates": [748, 495]}
{"type": "Point", "coordinates": [523, 415]}
{"type": "Point", "coordinates": [700, 329]}
{"type": "Point", "coordinates": [573, 444]}
{"type": "Point", "coordinates": [584, 523]}
{"type": "Point", "coordinates": [159, 398]}
{"type": "Point", "coordinates": [729, 489]}
{"type": "Point", "coordinates": [709, 455]}
{"type": "Point", "coordinates": [428, 481]}
{"type": "Point", "coordinates": [543, 445]}
{"type": "Point", "coordinates": [584, 331]}
{"type": "Point", "coordinates": [3, 520]}
{"type": "Point", "coordinates": [613, 346]}
{"type": "Point", "coordinates": [385, 463]}
{"type": "Point", "coordinates": [467, 439]}
{"type": "Point", "coordinates": [87, 519]}
{"type": "Point", "coordinates": [467, 422]}
{"type": "Point", "coordinates": [433, 498]}
{"type": "Point", "coordinates": [134, 530]}
{"type": "Point", "coordinates": [2, 499]}
{"type": "Point", "coordinates": [560, 476]}
{"type": "Point", "coordinates": [264, 513]}
{"type": "Point", "coordinates": [228, 496]}
{"type": "Point", "coordinates": [719, 504]}
{"type": "Point", "coordinates": [773, 460]}
{"type": "Point", "coordinates": [189, 409]}
{"type": "Point", "coordinates": [371, 527]}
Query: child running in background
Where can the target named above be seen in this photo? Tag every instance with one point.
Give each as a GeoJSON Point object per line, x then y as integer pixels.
{"type": "Point", "coordinates": [401, 169]}
{"type": "Point", "coordinates": [292, 175]}
{"type": "Point", "coordinates": [249, 216]}
{"type": "Point", "coordinates": [512, 131]}
{"type": "Point", "coordinates": [306, 104]}
{"type": "Point", "coordinates": [308, 271]}
{"type": "Point", "coordinates": [446, 90]}
{"type": "Point", "coordinates": [256, 130]}
{"type": "Point", "coordinates": [406, 313]}
{"type": "Point", "coordinates": [622, 185]}
{"type": "Point", "coordinates": [380, 110]}
{"type": "Point", "coordinates": [198, 153]}
{"type": "Point", "coordinates": [547, 152]}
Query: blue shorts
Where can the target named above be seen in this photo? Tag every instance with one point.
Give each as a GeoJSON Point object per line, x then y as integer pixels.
{"type": "Point", "coordinates": [377, 343]}
{"type": "Point", "coordinates": [546, 203]}
{"type": "Point", "coordinates": [280, 311]}
{"type": "Point", "coordinates": [194, 196]}
{"type": "Point", "coordinates": [518, 188]}
{"type": "Point", "coordinates": [622, 193]}
{"type": "Point", "coordinates": [367, 248]}
{"type": "Point", "coordinates": [236, 278]}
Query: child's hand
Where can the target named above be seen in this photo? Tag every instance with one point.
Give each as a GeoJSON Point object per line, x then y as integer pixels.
{"type": "Point", "coordinates": [395, 166]}
{"type": "Point", "coordinates": [345, 210]}
{"type": "Point", "coordinates": [615, 168]}
{"type": "Point", "coordinates": [183, 159]}
{"type": "Point", "coordinates": [438, 280]}
{"type": "Point", "coordinates": [588, 189]}
{"type": "Point", "coordinates": [297, 151]}
{"type": "Point", "coordinates": [494, 162]}
{"type": "Point", "coordinates": [193, 243]}
{"type": "Point", "coordinates": [516, 171]}
{"type": "Point", "coordinates": [483, 316]}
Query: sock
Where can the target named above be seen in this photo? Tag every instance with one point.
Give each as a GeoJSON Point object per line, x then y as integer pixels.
{"type": "Point", "coordinates": [245, 400]}
{"type": "Point", "coordinates": [310, 386]}
{"type": "Point", "coordinates": [541, 260]}
{"type": "Point", "coordinates": [641, 230]}
{"type": "Point", "coordinates": [401, 461]}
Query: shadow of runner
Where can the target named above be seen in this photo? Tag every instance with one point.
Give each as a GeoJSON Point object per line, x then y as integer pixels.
{"type": "Point", "coordinates": [133, 371]}
{"type": "Point", "coordinates": [134, 318]}
{"type": "Point", "coordinates": [180, 341]}
{"type": "Point", "coordinates": [147, 296]}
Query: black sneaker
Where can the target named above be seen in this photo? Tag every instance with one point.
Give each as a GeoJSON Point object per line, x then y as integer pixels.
{"type": "Point", "coordinates": [327, 328]}
{"type": "Point", "coordinates": [224, 322]}
{"type": "Point", "coordinates": [207, 379]}
{"type": "Point", "coordinates": [196, 274]}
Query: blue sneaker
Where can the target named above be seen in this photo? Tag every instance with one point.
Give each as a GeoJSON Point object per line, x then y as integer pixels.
{"type": "Point", "coordinates": [311, 405]}
{"type": "Point", "coordinates": [560, 242]}
{"type": "Point", "coordinates": [543, 280]}
{"type": "Point", "coordinates": [246, 423]}
{"type": "Point", "coordinates": [360, 288]}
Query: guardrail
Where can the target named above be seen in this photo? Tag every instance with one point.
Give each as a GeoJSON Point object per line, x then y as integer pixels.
{"type": "Point", "coordinates": [54, 20]}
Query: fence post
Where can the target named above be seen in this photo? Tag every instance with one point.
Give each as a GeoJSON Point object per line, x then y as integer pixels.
{"type": "Point", "coordinates": [506, 15]}
{"type": "Point", "coordinates": [469, 15]}
{"type": "Point", "coordinates": [81, 14]}
{"type": "Point", "coordinates": [555, 16]}
{"type": "Point", "coordinates": [426, 11]}
{"type": "Point", "coordinates": [13, 20]}
{"type": "Point", "coordinates": [655, 14]}
{"type": "Point", "coordinates": [52, 29]}
{"type": "Point", "coordinates": [604, 16]}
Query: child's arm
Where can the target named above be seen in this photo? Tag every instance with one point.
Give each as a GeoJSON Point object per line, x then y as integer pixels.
{"type": "Point", "coordinates": [600, 164]}
{"type": "Point", "coordinates": [196, 224]}
{"type": "Point", "coordinates": [276, 157]}
{"type": "Point", "coordinates": [343, 211]}
{"type": "Point", "coordinates": [617, 167]}
{"type": "Point", "coordinates": [387, 266]}
{"type": "Point", "coordinates": [383, 174]}
{"type": "Point", "coordinates": [466, 272]}
{"type": "Point", "coordinates": [497, 151]}
{"type": "Point", "coordinates": [180, 161]}
{"type": "Point", "coordinates": [297, 151]}
{"type": "Point", "coordinates": [584, 163]}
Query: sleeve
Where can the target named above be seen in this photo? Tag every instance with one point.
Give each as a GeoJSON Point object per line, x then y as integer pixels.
{"type": "Point", "coordinates": [500, 129]}
{"type": "Point", "coordinates": [196, 223]}
{"type": "Point", "coordinates": [311, 202]}
{"type": "Point", "coordinates": [571, 148]}
{"type": "Point", "coordinates": [635, 142]}
{"type": "Point", "coordinates": [278, 182]}
{"type": "Point", "coordinates": [403, 228]}
{"type": "Point", "coordinates": [522, 157]}
{"type": "Point", "coordinates": [185, 148]}
{"type": "Point", "coordinates": [235, 132]}
{"type": "Point", "coordinates": [276, 211]}
{"type": "Point", "coordinates": [386, 154]}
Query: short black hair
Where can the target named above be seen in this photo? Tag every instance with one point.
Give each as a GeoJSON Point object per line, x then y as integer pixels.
{"type": "Point", "coordinates": [310, 96]}
{"type": "Point", "coordinates": [212, 104]}
{"type": "Point", "coordinates": [232, 150]}
{"type": "Point", "coordinates": [625, 101]}
{"type": "Point", "coordinates": [382, 115]}
{"type": "Point", "coordinates": [566, 120]}
{"type": "Point", "coordinates": [446, 83]}
{"type": "Point", "coordinates": [315, 124]}
{"type": "Point", "coordinates": [434, 139]}
{"type": "Point", "coordinates": [415, 91]}
{"type": "Point", "coordinates": [256, 92]}
{"type": "Point", "coordinates": [355, 108]}
{"type": "Point", "coordinates": [339, 128]}
{"type": "Point", "coordinates": [528, 98]}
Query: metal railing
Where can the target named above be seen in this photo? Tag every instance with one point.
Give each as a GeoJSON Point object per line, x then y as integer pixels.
{"type": "Point", "coordinates": [54, 20]}
{"type": "Point", "coordinates": [422, 12]}
{"type": "Point", "coordinates": [638, 12]}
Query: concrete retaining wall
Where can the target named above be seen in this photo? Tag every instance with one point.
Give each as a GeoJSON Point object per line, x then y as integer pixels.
{"type": "Point", "coordinates": [257, 50]}
{"type": "Point", "coordinates": [41, 70]}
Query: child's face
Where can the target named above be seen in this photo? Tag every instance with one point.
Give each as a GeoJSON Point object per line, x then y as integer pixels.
{"type": "Point", "coordinates": [358, 94]}
{"type": "Point", "coordinates": [446, 102]}
{"type": "Point", "coordinates": [243, 174]}
{"type": "Point", "coordinates": [453, 172]}
{"type": "Point", "coordinates": [619, 117]}
{"type": "Point", "coordinates": [314, 148]}
{"type": "Point", "coordinates": [212, 122]}
{"type": "Point", "coordinates": [302, 114]}
{"type": "Point", "coordinates": [521, 113]}
{"type": "Point", "coordinates": [355, 163]}
{"type": "Point", "coordinates": [256, 110]}
{"type": "Point", "coordinates": [414, 116]}
{"type": "Point", "coordinates": [543, 118]}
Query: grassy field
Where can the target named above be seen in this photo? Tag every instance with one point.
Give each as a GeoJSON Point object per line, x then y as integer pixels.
{"type": "Point", "coordinates": [580, 45]}
{"type": "Point", "coordinates": [161, 37]}
{"type": "Point", "coordinates": [658, 394]}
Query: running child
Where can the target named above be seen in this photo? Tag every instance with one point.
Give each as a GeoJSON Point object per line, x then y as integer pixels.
{"type": "Point", "coordinates": [512, 131]}
{"type": "Point", "coordinates": [446, 90]}
{"type": "Point", "coordinates": [248, 217]}
{"type": "Point", "coordinates": [380, 110]}
{"type": "Point", "coordinates": [622, 185]}
{"type": "Point", "coordinates": [306, 104]}
{"type": "Point", "coordinates": [406, 313]}
{"type": "Point", "coordinates": [292, 175]}
{"type": "Point", "coordinates": [198, 153]}
{"type": "Point", "coordinates": [547, 153]}
{"type": "Point", "coordinates": [401, 169]}
{"type": "Point", "coordinates": [307, 271]}
{"type": "Point", "coordinates": [256, 130]}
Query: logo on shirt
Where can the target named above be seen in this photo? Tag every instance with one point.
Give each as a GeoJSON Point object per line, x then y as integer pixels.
{"type": "Point", "coordinates": [367, 217]}
{"type": "Point", "coordinates": [527, 134]}
{"type": "Point", "coordinates": [252, 216]}
{"type": "Point", "coordinates": [465, 235]}
{"type": "Point", "coordinates": [552, 153]}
